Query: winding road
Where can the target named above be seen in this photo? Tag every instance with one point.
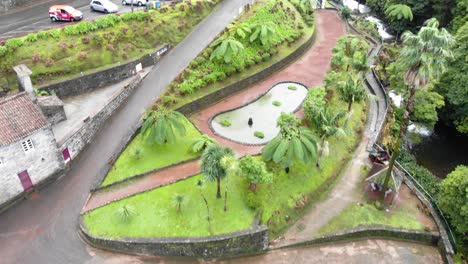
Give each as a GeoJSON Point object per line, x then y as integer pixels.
{"type": "Point", "coordinates": [43, 228]}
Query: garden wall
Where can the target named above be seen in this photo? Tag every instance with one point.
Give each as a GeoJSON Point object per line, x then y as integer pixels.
{"type": "Point", "coordinates": [91, 81]}
{"type": "Point", "coordinates": [233, 244]}
{"type": "Point", "coordinates": [372, 232]}
{"type": "Point", "coordinates": [209, 99]}
{"type": "Point", "coordinates": [81, 138]}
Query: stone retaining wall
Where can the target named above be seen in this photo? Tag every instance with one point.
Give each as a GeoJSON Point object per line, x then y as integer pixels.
{"type": "Point", "coordinates": [101, 78]}
{"type": "Point", "coordinates": [372, 232]}
{"type": "Point", "coordinates": [85, 134]}
{"type": "Point", "coordinates": [233, 244]}
{"type": "Point", "coordinates": [209, 99]}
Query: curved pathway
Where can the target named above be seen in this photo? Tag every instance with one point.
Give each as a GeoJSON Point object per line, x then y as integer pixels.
{"type": "Point", "coordinates": [43, 229]}
{"type": "Point", "coordinates": [309, 70]}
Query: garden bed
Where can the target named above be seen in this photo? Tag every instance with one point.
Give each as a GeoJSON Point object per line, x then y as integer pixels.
{"type": "Point", "coordinates": [60, 53]}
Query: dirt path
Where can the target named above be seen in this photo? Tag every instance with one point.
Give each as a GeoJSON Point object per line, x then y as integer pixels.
{"type": "Point", "coordinates": [309, 70]}
{"type": "Point", "coordinates": [342, 195]}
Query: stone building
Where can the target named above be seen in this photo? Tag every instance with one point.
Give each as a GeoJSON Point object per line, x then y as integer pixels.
{"type": "Point", "coordinates": [28, 151]}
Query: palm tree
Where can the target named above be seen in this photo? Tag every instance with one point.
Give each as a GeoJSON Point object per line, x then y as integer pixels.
{"type": "Point", "coordinates": [263, 32]}
{"type": "Point", "coordinates": [160, 126]}
{"type": "Point", "coordinates": [211, 165]}
{"type": "Point", "coordinates": [230, 164]}
{"type": "Point", "coordinates": [351, 91]}
{"type": "Point", "coordinates": [226, 48]}
{"type": "Point", "coordinates": [178, 200]}
{"type": "Point", "coordinates": [399, 12]}
{"type": "Point", "coordinates": [293, 143]}
{"type": "Point", "coordinates": [424, 56]}
{"type": "Point", "coordinates": [200, 186]}
{"type": "Point", "coordinates": [201, 143]}
{"type": "Point", "coordinates": [239, 29]}
{"type": "Point", "coordinates": [327, 124]}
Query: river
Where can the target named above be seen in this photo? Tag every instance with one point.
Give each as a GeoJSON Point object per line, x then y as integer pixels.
{"type": "Point", "coordinates": [444, 150]}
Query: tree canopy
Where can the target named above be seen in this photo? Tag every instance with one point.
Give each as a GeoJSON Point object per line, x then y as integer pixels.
{"type": "Point", "coordinates": [161, 126]}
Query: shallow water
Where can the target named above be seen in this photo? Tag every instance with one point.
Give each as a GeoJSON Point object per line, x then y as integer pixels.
{"type": "Point", "coordinates": [353, 5]}
{"type": "Point", "coordinates": [380, 27]}
{"type": "Point", "coordinates": [263, 113]}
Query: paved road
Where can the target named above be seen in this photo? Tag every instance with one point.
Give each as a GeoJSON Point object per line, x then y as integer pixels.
{"type": "Point", "coordinates": [36, 17]}
{"type": "Point", "coordinates": [43, 229]}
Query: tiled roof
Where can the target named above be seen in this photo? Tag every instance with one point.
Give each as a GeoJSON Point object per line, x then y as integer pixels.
{"type": "Point", "coordinates": [19, 117]}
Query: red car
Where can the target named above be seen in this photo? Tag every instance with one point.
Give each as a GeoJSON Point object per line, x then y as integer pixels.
{"type": "Point", "coordinates": [64, 13]}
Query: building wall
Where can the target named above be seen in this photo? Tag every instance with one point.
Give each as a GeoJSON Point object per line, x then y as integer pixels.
{"type": "Point", "coordinates": [41, 162]}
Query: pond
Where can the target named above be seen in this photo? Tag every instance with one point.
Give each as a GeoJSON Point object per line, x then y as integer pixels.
{"type": "Point", "coordinates": [263, 112]}
{"type": "Point", "coordinates": [442, 151]}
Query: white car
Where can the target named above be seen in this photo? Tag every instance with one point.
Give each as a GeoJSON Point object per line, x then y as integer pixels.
{"type": "Point", "coordinates": [105, 6]}
{"type": "Point", "coordinates": [135, 2]}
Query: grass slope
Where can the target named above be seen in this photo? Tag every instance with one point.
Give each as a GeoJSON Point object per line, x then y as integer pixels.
{"type": "Point", "coordinates": [151, 156]}
{"type": "Point", "coordinates": [368, 215]}
{"type": "Point", "coordinates": [156, 214]}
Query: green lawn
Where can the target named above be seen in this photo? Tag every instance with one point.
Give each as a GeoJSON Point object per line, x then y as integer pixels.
{"type": "Point", "coordinates": [282, 200]}
{"type": "Point", "coordinates": [156, 214]}
{"type": "Point", "coordinates": [151, 156]}
{"type": "Point", "coordinates": [367, 214]}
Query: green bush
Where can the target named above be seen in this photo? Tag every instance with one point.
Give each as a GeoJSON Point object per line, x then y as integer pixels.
{"type": "Point", "coordinates": [266, 56]}
{"type": "Point", "coordinates": [42, 34]}
{"type": "Point", "coordinates": [240, 68]}
{"type": "Point", "coordinates": [14, 43]}
{"type": "Point", "coordinates": [81, 28]}
{"type": "Point", "coordinates": [138, 16]}
{"type": "Point", "coordinates": [200, 60]}
{"type": "Point", "coordinates": [229, 70]}
{"type": "Point", "coordinates": [252, 200]}
{"type": "Point", "coordinates": [107, 21]}
{"type": "Point", "coordinates": [257, 58]}
{"type": "Point", "coordinates": [249, 63]}
{"type": "Point", "coordinates": [3, 51]}
{"type": "Point", "coordinates": [292, 87]}
{"type": "Point", "coordinates": [225, 123]}
{"type": "Point", "coordinates": [276, 103]}
{"type": "Point", "coordinates": [259, 134]}
{"type": "Point", "coordinates": [221, 76]}
{"type": "Point", "coordinates": [54, 33]}
{"type": "Point", "coordinates": [98, 40]}
{"type": "Point", "coordinates": [31, 37]}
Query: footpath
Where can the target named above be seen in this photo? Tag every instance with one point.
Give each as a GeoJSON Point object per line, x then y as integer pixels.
{"type": "Point", "coordinates": [309, 70]}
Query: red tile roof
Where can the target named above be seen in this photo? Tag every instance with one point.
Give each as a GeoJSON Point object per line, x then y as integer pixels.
{"type": "Point", "coordinates": [19, 117]}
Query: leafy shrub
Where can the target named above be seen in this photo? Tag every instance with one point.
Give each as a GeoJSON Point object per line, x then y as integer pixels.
{"type": "Point", "coordinates": [138, 16]}
{"type": "Point", "coordinates": [54, 33]}
{"type": "Point", "coordinates": [107, 21]}
{"type": "Point", "coordinates": [314, 102]}
{"type": "Point", "coordinates": [257, 58]}
{"type": "Point", "coordinates": [229, 70]}
{"type": "Point", "coordinates": [14, 43]}
{"type": "Point", "coordinates": [81, 28]}
{"type": "Point", "coordinates": [42, 34]}
{"type": "Point", "coordinates": [225, 123]}
{"type": "Point", "coordinates": [207, 53]}
{"type": "Point", "coordinates": [200, 60]}
{"type": "Point", "coordinates": [240, 68]}
{"type": "Point", "coordinates": [259, 134]}
{"type": "Point", "coordinates": [222, 76]}
{"type": "Point", "coordinates": [292, 88]}
{"type": "Point", "coordinates": [249, 63]}
{"type": "Point", "coordinates": [266, 56]}
{"type": "Point", "coordinates": [273, 51]}
{"type": "Point", "coordinates": [252, 200]}
{"type": "Point", "coordinates": [3, 51]}
{"type": "Point", "coordinates": [31, 37]}
{"type": "Point", "coordinates": [276, 103]}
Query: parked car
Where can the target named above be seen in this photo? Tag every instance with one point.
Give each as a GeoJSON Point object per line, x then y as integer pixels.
{"type": "Point", "coordinates": [64, 13]}
{"type": "Point", "coordinates": [105, 6]}
{"type": "Point", "coordinates": [135, 2]}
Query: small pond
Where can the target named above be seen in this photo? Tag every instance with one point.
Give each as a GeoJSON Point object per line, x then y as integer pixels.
{"type": "Point", "coordinates": [263, 113]}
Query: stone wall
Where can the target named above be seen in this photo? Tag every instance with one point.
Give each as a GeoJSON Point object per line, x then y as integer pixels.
{"type": "Point", "coordinates": [372, 232]}
{"type": "Point", "coordinates": [233, 244]}
{"type": "Point", "coordinates": [41, 162]}
{"type": "Point", "coordinates": [90, 81]}
{"type": "Point", "coordinates": [80, 139]}
{"type": "Point", "coordinates": [209, 99]}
